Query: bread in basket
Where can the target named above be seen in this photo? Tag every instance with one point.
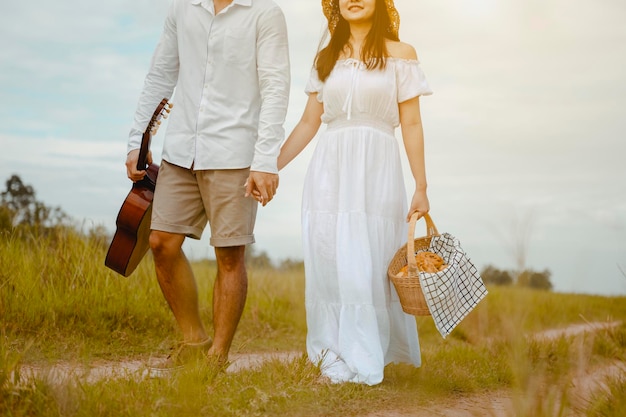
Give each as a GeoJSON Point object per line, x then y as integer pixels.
{"type": "Point", "coordinates": [404, 270]}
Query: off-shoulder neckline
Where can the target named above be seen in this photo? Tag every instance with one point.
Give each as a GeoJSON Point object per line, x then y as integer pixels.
{"type": "Point", "coordinates": [392, 58]}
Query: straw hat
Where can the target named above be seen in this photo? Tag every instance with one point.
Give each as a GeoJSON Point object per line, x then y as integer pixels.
{"type": "Point", "coordinates": [331, 11]}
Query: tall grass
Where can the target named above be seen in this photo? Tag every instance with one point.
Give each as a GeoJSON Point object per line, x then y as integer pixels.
{"type": "Point", "coordinates": [58, 302]}
{"type": "Point", "coordinates": [56, 293]}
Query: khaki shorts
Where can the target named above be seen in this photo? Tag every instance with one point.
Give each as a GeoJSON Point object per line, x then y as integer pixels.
{"type": "Point", "coordinates": [184, 200]}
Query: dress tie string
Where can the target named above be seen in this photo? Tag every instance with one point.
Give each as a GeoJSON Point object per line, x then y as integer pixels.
{"type": "Point", "coordinates": [354, 78]}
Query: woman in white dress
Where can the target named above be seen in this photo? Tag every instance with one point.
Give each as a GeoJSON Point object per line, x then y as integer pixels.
{"type": "Point", "coordinates": [364, 84]}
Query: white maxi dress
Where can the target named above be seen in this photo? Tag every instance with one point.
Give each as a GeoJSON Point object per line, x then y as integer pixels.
{"type": "Point", "coordinates": [353, 220]}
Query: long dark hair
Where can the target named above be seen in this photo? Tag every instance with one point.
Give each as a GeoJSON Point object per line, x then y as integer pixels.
{"type": "Point", "coordinates": [374, 52]}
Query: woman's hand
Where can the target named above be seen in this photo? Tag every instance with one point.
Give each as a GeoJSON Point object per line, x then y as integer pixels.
{"type": "Point", "coordinates": [261, 186]}
{"type": "Point", "coordinates": [419, 204]}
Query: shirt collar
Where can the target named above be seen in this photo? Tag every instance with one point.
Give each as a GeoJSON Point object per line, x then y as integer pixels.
{"type": "Point", "coordinates": [240, 2]}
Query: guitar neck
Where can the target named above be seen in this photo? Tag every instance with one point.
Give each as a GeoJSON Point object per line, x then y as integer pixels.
{"type": "Point", "coordinates": [161, 111]}
{"type": "Point", "coordinates": [142, 162]}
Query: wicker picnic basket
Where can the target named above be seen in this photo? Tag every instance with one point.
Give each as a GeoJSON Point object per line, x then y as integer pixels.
{"type": "Point", "coordinates": [408, 286]}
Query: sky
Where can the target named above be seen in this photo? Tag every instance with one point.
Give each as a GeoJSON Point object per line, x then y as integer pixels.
{"type": "Point", "coordinates": [524, 133]}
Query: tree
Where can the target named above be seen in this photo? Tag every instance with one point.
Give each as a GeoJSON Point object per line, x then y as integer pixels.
{"type": "Point", "coordinates": [536, 280]}
{"type": "Point", "coordinates": [527, 278]}
{"type": "Point", "coordinates": [495, 276]}
{"type": "Point", "coordinates": [257, 260]}
{"type": "Point", "coordinates": [6, 218]}
{"type": "Point", "coordinates": [20, 207]}
{"type": "Point", "coordinates": [291, 264]}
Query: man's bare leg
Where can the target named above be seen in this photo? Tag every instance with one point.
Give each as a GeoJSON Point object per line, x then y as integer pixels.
{"type": "Point", "coordinates": [178, 284]}
{"type": "Point", "coordinates": [229, 298]}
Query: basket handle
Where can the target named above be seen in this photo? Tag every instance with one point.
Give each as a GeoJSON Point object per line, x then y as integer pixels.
{"type": "Point", "coordinates": [431, 230]}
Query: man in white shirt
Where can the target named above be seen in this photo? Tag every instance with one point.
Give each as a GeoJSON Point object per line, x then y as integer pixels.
{"type": "Point", "coordinates": [229, 63]}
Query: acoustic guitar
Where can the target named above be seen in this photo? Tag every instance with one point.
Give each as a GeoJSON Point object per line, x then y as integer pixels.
{"type": "Point", "coordinates": [130, 242]}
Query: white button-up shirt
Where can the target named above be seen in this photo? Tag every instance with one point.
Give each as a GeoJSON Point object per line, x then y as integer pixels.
{"type": "Point", "coordinates": [231, 75]}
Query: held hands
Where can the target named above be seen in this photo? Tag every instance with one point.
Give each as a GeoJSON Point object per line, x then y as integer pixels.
{"type": "Point", "coordinates": [131, 165]}
{"type": "Point", "coordinates": [419, 204]}
{"type": "Point", "coordinates": [261, 186]}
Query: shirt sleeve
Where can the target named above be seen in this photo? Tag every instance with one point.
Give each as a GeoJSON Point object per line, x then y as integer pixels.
{"type": "Point", "coordinates": [314, 85]}
{"type": "Point", "coordinates": [160, 80]}
{"type": "Point", "coordinates": [274, 80]}
{"type": "Point", "coordinates": [411, 80]}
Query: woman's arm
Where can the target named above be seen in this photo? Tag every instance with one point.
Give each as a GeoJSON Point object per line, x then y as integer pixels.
{"type": "Point", "coordinates": [304, 131]}
{"type": "Point", "coordinates": [301, 135]}
{"type": "Point", "coordinates": [413, 137]}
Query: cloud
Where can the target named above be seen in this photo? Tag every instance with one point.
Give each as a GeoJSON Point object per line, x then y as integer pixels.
{"type": "Point", "coordinates": [526, 117]}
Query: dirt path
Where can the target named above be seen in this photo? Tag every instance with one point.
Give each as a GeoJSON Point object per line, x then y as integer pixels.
{"type": "Point", "coordinates": [98, 370]}
{"type": "Point", "coordinates": [503, 403]}
{"type": "Point", "coordinates": [493, 404]}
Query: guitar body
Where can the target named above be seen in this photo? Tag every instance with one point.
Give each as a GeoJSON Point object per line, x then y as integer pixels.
{"type": "Point", "coordinates": [130, 241]}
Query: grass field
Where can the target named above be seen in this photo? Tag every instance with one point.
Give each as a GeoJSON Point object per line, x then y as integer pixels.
{"type": "Point", "coordinates": [58, 303]}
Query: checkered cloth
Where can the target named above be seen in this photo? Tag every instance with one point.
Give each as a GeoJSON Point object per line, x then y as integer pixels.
{"type": "Point", "coordinates": [452, 293]}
